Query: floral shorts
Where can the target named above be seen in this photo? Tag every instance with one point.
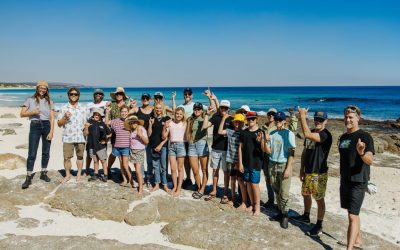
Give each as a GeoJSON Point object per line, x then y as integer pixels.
{"type": "Point", "coordinates": [315, 185]}
{"type": "Point", "coordinates": [137, 156]}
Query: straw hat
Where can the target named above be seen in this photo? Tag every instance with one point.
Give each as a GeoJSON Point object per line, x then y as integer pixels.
{"type": "Point", "coordinates": [118, 90]}
{"type": "Point", "coordinates": [130, 119]}
{"type": "Point", "coordinates": [42, 83]}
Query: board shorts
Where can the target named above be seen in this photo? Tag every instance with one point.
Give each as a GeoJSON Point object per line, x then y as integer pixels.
{"type": "Point", "coordinates": [315, 185]}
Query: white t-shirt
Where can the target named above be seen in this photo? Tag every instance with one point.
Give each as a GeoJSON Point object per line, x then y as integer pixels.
{"type": "Point", "coordinates": [91, 106]}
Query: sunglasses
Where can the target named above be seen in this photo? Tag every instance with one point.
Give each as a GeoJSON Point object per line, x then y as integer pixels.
{"type": "Point", "coordinates": [187, 94]}
{"type": "Point", "coordinates": [99, 94]}
{"type": "Point", "coordinates": [224, 108]}
{"type": "Point", "coordinates": [197, 109]}
{"type": "Point", "coordinates": [73, 94]}
{"type": "Point", "coordinates": [271, 113]}
{"type": "Point", "coordinates": [251, 118]}
{"type": "Point", "coordinates": [318, 119]}
{"type": "Point", "coordinates": [145, 98]}
{"type": "Point", "coordinates": [158, 97]}
{"type": "Point", "coordinates": [119, 93]}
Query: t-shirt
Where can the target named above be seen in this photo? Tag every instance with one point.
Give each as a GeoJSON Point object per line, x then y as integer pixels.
{"type": "Point", "coordinates": [281, 141]}
{"type": "Point", "coordinates": [122, 136]}
{"type": "Point", "coordinates": [156, 135]}
{"type": "Point", "coordinates": [73, 129]}
{"type": "Point", "coordinates": [220, 142]}
{"type": "Point", "coordinates": [198, 133]}
{"type": "Point", "coordinates": [233, 144]}
{"type": "Point", "coordinates": [316, 153]}
{"type": "Point", "coordinates": [252, 155]}
{"type": "Point", "coordinates": [136, 141]}
{"type": "Point", "coordinates": [98, 131]}
{"type": "Point", "coordinates": [352, 167]}
{"type": "Point", "coordinates": [44, 107]}
{"type": "Point", "coordinates": [177, 131]}
{"type": "Point", "coordinates": [91, 106]}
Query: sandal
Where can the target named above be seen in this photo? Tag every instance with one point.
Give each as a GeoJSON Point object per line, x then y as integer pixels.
{"type": "Point", "coordinates": [197, 195]}
{"type": "Point", "coordinates": [194, 193]}
{"type": "Point", "coordinates": [342, 243]}
{"type": "Point", "coordinates": [225, 200]}
{"type": "Point", "coordinates": [210, 197]}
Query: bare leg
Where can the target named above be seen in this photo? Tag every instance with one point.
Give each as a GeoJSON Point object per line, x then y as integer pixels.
{"type": "Point", "coordinates": [215, 181]}
{"type": "Point", "coordinates": [104, 165]}
{"type": "Point", "coordinates": [173, 164]}
{"type": "Point", "coordinates": [204, 169]}
{"type": "Point", "coordinates": [226, 182]}
{"type": "Point", "coordinates": [307, 203]}
{"type": "Point", "coordinates": [123, 172]}
{"type": "Point", "coordinates": [79, 165]}
{"type": "Point", "coordinates": [194, 164]}
{"type": "Point", "coordinates": [321, 208]}
{"type": "Point", "coordinates": [256, 198]}
{"type": "Point", "coordinates": [180, 176]}
{"type": "Point", "coordinates": [233, 189]}
{"type": "Point", "coordinates": [138, 169]}
{"type": "Point", "coordinates": [96, 166]}
{"type": "Point", "coordinates": [249, 190]}
{"type": "Point", "coordinates": [244, 194]}
{"type": "Point", "coordinates": [88, 161]}
{"type": "Point", "coordinates": [353, 233]}
{"type": "Point", "coordinates": [67, 166]}
{"type": "Point", "coordinates": [111, 160]}
{"type": "Point", "coordinates": [128, 172]}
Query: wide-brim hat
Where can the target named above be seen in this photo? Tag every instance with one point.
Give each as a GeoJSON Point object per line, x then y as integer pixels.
{"type": "Point", "coordinates": [130, 119]}
{"type": "Point", "coordinates": [119, 90]}
{"type": "Point", "coordinates": [100, 111]}
{"type": "Point", "coordinates": [42, 83]}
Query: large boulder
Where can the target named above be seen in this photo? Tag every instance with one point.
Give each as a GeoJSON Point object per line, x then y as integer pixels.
{"type": "Point", "coordinates": [11, 161]}
{"type": "Point", "coordinates": [103, 201]}
{"type": "Point", "coordinates": [8, 115]}
{"type": "Point", "coordinates": [21, 242]}
{"type": "Point", "coordinates": [142, 214]}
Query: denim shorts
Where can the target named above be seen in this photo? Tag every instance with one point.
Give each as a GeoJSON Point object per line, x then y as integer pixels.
{"type": "Point", "coordinates": [177, 149]}
{"type": "Point", "coordinates": [199, 148]}
{"type": "Point", "coordinates": [251, 175]}
{"type": "Point", "coordinates": [120, 152]}
{"type": "Point", "coordinates": [218, 160]}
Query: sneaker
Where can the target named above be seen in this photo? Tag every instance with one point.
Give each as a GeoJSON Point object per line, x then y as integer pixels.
{"type": "Point", "coordinates": [315, 230]}
{"type": "Point", "coordinates": [27, 182]}
{"type": "Point", "coordinates": [103, 178]}
{"type": "Point", "coordinates": [277, 217]}
{"type": "Point", "coordinates": [93, 178]}
{"type": "Point", "coordinates": [302, 219]}
{"type": "Point", "coordinates": [43, 176]}
{"type": "Point", "coordinates": [284, 222]}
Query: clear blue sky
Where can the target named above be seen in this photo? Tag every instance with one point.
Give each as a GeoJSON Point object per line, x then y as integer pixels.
{"type": "Point", "coordinates": [171, 42]}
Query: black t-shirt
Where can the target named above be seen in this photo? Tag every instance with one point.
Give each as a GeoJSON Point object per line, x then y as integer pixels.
{"type": "Point", "coordinates": [352, 167]}
{"type": "Point", "coordinates": [252, 155]}
{"type": "Point", "coordinates": [98, 131]}
{"type": "Point", "coordinates": [220, 142]}
{"type": "Point", "coordinates": [156, 135]}
{"type": "Point", "coordinates": [316, 153]}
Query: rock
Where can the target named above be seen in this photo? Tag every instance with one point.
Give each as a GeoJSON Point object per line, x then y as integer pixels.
{"type": "Point", "coordinates": [11, 161]}
{"type": "Point", "coordinates": [142, 214]}
{"type": "Point", "coordinates": [11, 125]}
{"type": "Point", "coordinates": [22, 146]}
{"type": "Point", "coordinates": [11, 190]}
{"type": "Point", "coordinates": [8, 211]}
{"type": "Point", "coordinates": [28, 223]}
{"type": "Point", "coordinates": [103, 201]}
{"type": "Point", "coordinates": [22, 242]}
{"type": "Point", "coordinates": [8, 115]}
{"type": "Point", "coordinates": [8, 131]}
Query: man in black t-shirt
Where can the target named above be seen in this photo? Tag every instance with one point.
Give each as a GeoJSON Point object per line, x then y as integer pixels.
{"type": "Point", "coordinates": [219, 147]}
{"type": "Point", "coordinates": [314, 167]}
{"type": "Point", "coordinates": [356, 149]}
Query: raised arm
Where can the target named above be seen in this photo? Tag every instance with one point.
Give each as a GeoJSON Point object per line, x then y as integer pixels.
{"type": "Point", "coordinates": [206, 122]}
{"type": "Point", "coordinates": [304, 126]}
{"type": "Point", "coordinates": [173, 101]}
{"type": "Point", "coordinates": [221, 129]}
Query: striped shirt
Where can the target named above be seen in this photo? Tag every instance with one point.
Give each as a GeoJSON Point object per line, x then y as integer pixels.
{"type": "Point", "coordinates": [233, 145]}
{"type": "Point", "coordinates": [122, 136]}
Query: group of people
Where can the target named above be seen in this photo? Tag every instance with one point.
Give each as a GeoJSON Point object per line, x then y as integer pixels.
{"type": "Point", "coordinates": [177, 137]}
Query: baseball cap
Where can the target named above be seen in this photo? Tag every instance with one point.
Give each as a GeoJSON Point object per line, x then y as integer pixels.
{"type": "Point", "coordinates": [98, 91]}
{"type": "Point", "coordinates": [245, 108]}
{"type": "Point", "coordinates": [280, 116]}
{"type": "Point", "coordinates": [239, 117]}
{"type": "Point", "coordinates": [158, 94]}
{"type": "Point", "coordinates": [197, 105]}
{"type": "Point", "coordinates": [225, 103]}
{"type": "Point", "coordinates": [321, 114]}
{"type": "Point", "coordinates": [251, 114]}
{"type": "Point", "coordinates": [188, 90]}
{"type": "Point", "coordinates": [146, 95]}
{"type": "Point", "coordinates": [272, 110]}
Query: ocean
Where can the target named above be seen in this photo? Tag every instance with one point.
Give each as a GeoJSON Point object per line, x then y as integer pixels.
{"type": "Point", "coordinates": [376, 103]}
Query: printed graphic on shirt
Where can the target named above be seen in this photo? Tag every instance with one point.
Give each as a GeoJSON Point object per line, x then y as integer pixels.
{"type": "Point", "coordinates": [345, 144]}
{"type": "Point", "coordinates": [310, 144]}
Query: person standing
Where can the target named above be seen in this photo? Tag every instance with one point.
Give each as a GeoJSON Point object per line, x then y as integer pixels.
{"type": "Point", "coordinates": [314, 166]}
{"type": "Point", "coordinates": [72, 117]}
{"type": "Point", "coordinates": [280, 146]}
{"type": "Point", "coordinates": [356, 149]}
{"type": "Point", "coordinates": [39, 108]}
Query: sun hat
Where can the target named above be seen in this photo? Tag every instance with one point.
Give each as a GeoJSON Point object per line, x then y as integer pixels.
{"type": "Point", "coordinates": [197, 105]}
{"type": "Point", "coordinates": [321, 114]}
{"type": "Point", "coordinates": [130, 119]}
{"type": "Point", "coordinates": [118, 90]}
{"type": "Point", "coordinates": [100, 111]}
{"type": "Point", "coordinates": [280, 116]}
{"type": "Point", "coordinates": [42, 83]}
{"type": "Point", "coordinates": [239, 118]}
{"type": "Point", "coordinates": [98, 91]}
{"type": "Point", "coordinates": [225, 103]}
{"type": "Point", "coordinates": [251, 114]}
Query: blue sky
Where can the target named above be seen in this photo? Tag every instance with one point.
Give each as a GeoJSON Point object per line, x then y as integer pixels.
{"type": "Point", "coordinates": [201, 43]}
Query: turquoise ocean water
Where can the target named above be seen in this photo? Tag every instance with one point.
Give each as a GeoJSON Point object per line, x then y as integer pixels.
{"type": "Point", "coordinates": [377, 103]}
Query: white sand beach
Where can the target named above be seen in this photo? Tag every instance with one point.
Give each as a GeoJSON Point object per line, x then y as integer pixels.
{"type": "Point", "coordinates": [380, 213]}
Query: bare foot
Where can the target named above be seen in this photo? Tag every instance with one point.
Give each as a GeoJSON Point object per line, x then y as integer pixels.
{"type": "Point", "coordinates": [79, 178]}
{"type": "Point", "coordinates": [230, 203]}
{"type": "Point", "coordinates": [172, 191]}
{"type": "Point", "coordinates": [123, 184]}
{"type": "Point", "coordinates": [256, 213]}
{"type": "Point", "coordinates": [66, 179]}
{"type": "Point", "coordinates": [177, 194]}
{"type": "Point", "coordinates": [155, 188]}
{"type": "Point", "coordinates": [242, 207]}
{"type": "Point", "coordinates": [249, 209]}
{"type": "Point", "coordinates": [166, 189]}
